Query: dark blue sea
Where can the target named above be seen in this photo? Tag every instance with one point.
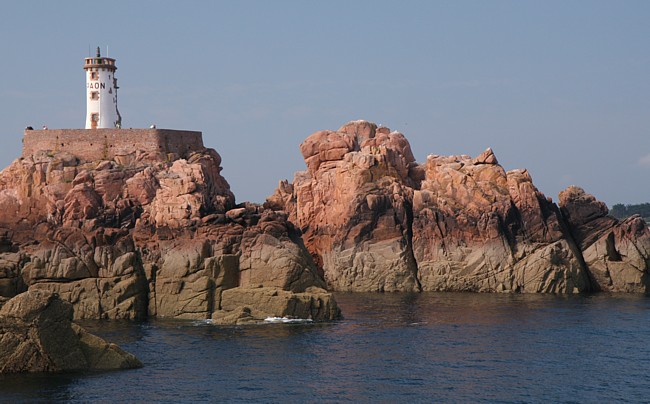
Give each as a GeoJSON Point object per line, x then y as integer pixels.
{"type": "Point", "coordinates": [429, 347]}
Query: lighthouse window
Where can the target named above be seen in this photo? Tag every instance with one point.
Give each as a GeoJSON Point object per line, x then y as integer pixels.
{"type": "Point", "coordinates": [94, 95]}
{"type": "Point", "coordinates": [94, 117]}
{"type": "Point", "coordinates": [94, 76]}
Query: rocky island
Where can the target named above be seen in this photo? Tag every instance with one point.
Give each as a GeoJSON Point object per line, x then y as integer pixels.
{"type": "Point", "coordinates": [133, 224]}
{"type": "Point", "coordinates": [137, 223]}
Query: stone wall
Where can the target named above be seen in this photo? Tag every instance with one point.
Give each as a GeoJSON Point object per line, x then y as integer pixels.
{"type": "Point", "coordinates": [114, 144]}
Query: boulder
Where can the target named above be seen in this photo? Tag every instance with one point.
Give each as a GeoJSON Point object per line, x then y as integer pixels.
{"type": "Point", "coordinates": [37, 335]}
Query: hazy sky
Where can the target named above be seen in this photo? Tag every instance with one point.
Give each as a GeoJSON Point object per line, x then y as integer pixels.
{"type": "Point", "coordinates": [559, 87]}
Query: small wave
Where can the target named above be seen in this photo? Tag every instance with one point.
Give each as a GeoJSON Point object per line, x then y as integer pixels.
{"type": "Point", "coordinates": [287, 320]}
{"type": "Point", "coordinates": [202, 322]}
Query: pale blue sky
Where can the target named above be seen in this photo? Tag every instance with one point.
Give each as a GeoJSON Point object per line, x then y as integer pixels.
{"type": "Point", "coordinates": [558, 87]}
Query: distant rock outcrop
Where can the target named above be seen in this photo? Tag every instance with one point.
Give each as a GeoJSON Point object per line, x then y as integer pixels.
{"type": "Point", "coordinates": [37, 335]}
{"type": "Point", "coordinates": [375, 220]}
{"type": "Point", "coordinates": [142, 237]}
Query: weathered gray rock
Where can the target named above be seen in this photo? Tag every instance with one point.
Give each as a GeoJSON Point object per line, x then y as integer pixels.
{"type": "Point", "coordinates": [617, 253]}
{"type": "Point", "coordinates": [190, 282]}
{"type": "Point", "coordinates": [246, 305]}
{"type": "Point", "coordinates": [37, 335]}
{"type": "Point", "coordinates": [98, 271]}
{"type": "Point", "coordinates": [190, 277]}
{"type": "Point", "coordinates": [272, 255]}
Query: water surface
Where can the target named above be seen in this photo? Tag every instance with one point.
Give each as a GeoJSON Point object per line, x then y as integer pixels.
{"type": "Point", "coordinates": [389, 348]}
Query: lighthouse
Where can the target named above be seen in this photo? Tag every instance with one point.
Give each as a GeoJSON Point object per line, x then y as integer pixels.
{"type": "Point", "coordinates": [101, 93]}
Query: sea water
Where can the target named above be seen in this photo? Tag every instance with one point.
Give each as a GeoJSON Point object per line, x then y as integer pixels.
{"type": "Point", "coordinates": [429, 347]}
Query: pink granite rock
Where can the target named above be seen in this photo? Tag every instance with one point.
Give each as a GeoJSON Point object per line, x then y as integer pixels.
{"type": "Point", "coordinates": [352, 206]}
{"type": "Point", "coordinates": [128, 239]}
{"type": "Point", "coordinates": [375, 220]}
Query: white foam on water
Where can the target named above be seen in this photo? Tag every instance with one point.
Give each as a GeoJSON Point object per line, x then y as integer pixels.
{"type": "Point", "coordinates": [287, 320]}
{"type": "Point", "coordinates": [268, 320]}
{"type": "Point", "coordinates": [202, 322]}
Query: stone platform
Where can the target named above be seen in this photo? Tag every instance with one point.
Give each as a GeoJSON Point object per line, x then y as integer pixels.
{"type": "Point", "coordinates": [114, 144]}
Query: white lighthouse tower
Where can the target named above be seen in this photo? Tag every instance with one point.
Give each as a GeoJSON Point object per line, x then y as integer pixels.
{"type": "Point", "coordinates": [101, 93]}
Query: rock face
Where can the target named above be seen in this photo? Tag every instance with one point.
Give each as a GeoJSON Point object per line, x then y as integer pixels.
{"type": "Point", "coordinates": [353, 205]}
{"type": "Point", "coordinates": [245, 305]}
{"type": "Point", "coordinates": [375, 220]}
{"type": "Point", "coordinates": [479, 228]}
{"type": "Point", "coordinates": [616, 252]}
{"type": "Point", "coordinates": [37, 335]}
{"type": "Point", "coordinates": [142, 237]}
